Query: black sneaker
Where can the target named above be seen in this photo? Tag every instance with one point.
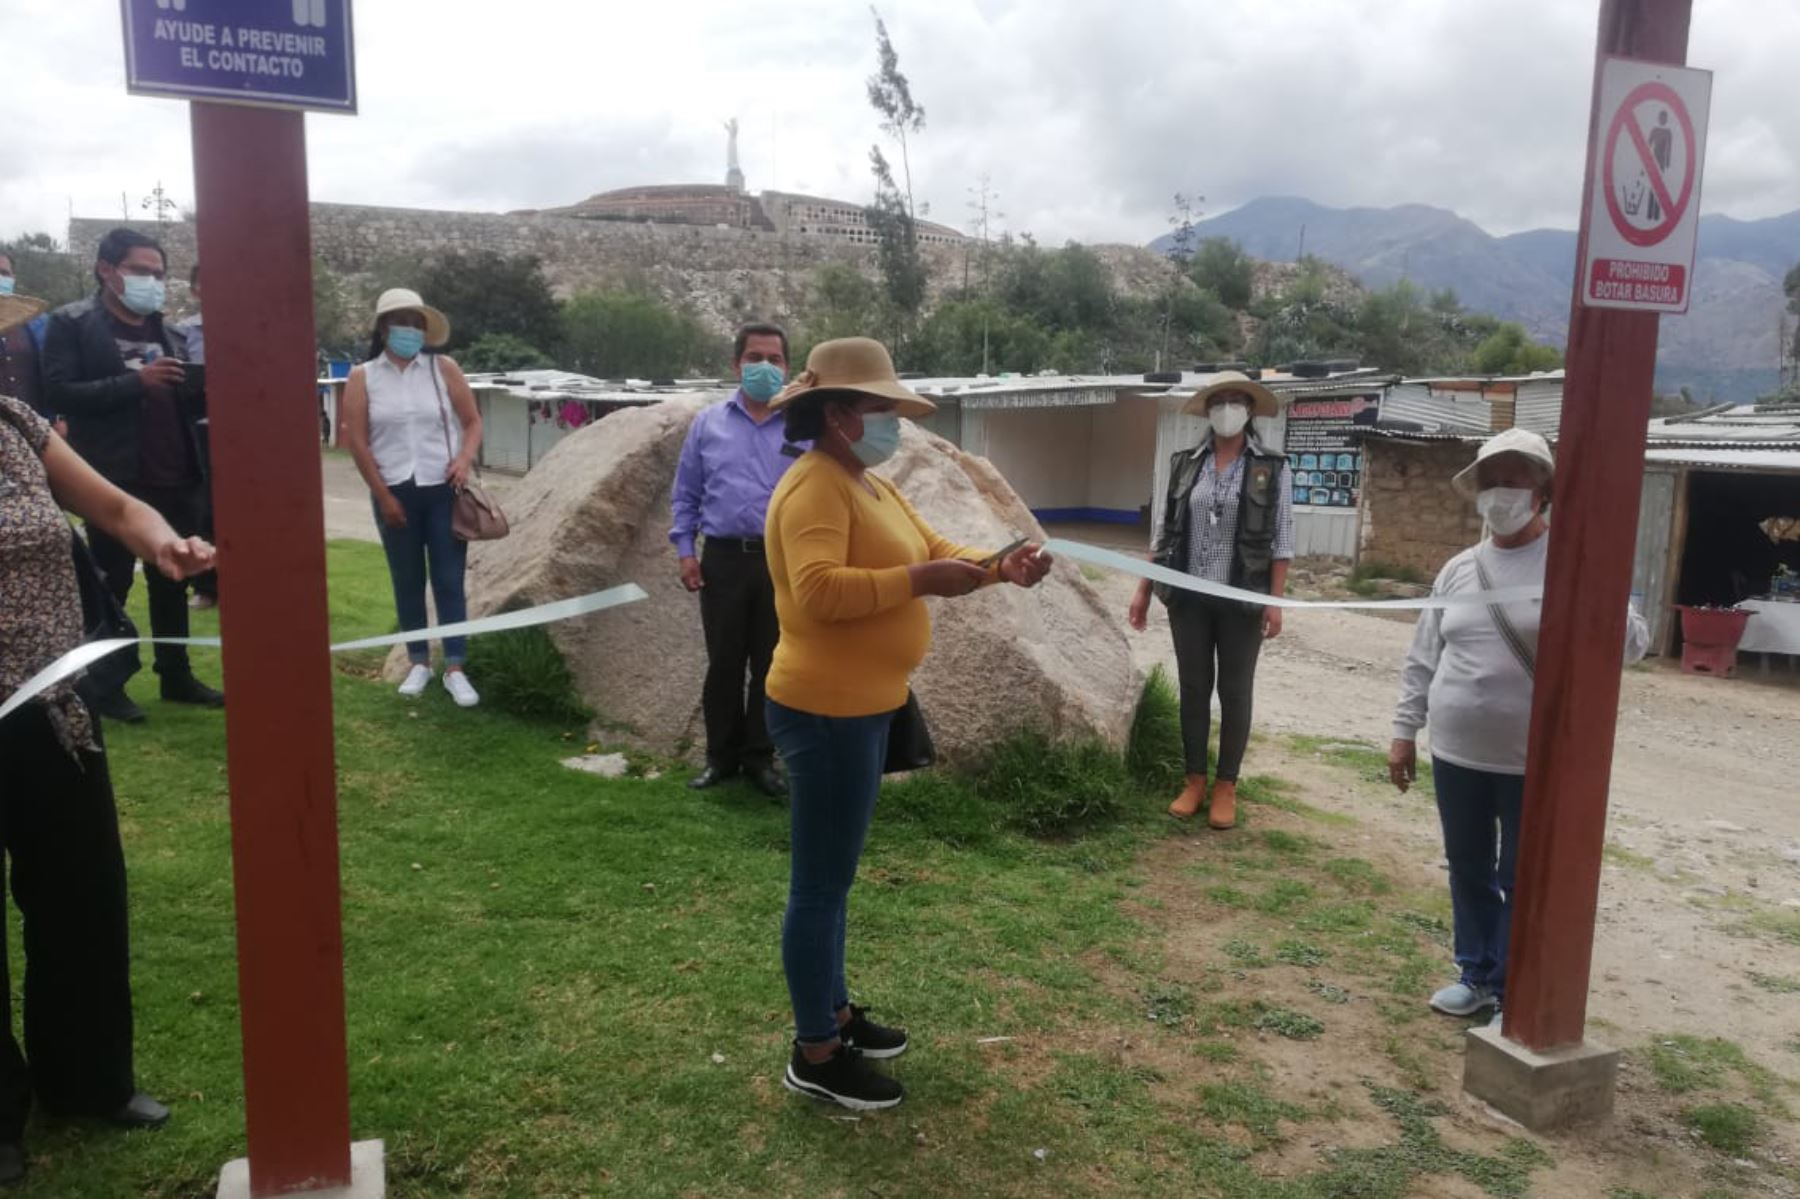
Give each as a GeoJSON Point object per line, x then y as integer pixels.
{"type": "Point", "coordinates": [186, 689]}
{"type": "Point", "coordinates": [872, 1039]}
{"type": "Point", "coordinates": [845, 1078]}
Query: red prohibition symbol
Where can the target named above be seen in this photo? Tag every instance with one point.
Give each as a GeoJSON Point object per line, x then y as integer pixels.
{"type": "Point", "coordinates": [1624, 123]}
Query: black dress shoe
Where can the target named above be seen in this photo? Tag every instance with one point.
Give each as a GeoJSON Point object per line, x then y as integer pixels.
{"type": "Point", "coordinates": [12, 1164]}
{"type": "Point", "coordinates": [186, 689]}
{"type": "Point", "coordinates": [769, 781]}
{"type": "Point", "coordinates": [118, 706]}
{"type": "Point", "coordinates": [140, 1111]}
{"type": "Point", "coordinates": [712, 776]}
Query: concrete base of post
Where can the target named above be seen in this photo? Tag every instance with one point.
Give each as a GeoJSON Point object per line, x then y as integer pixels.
{"type": "Point", "coordinates": [368, 1177]}
{"type": "Point", "coordinates": [1542, 1091]}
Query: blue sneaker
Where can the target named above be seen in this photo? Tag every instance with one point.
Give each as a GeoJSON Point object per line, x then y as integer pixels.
{"type": "Point", "coordinates": [1462, 999]}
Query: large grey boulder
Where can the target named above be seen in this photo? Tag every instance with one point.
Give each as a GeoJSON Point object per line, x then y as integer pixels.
{"type": "Point", "coordinates": [594, 513]}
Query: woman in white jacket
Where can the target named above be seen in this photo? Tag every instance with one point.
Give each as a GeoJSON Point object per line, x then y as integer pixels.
{"type": "Point", "coordinates": [1469, 676]}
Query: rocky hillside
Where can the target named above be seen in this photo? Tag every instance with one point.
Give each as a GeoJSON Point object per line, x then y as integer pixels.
{"type": "Point", "coordinates": [1726, 345]}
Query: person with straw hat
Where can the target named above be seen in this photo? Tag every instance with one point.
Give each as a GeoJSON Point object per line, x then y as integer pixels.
{"type": "Point", "coordinates": [409, 420]}
{"type": "Point", "coordinates": [58, 823]}
{"type": "Point", "coordinates": [1228, 518]}
{"type": "Point", "coordinates": [1469, 675]}
{"type": "Point", "coordinates": [851, 562]}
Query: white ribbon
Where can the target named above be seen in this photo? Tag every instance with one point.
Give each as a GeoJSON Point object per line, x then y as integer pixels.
{"type": "Point", "coordinates": [1113, 560]}
{"type": "Point", "coordinates": [83, 656]}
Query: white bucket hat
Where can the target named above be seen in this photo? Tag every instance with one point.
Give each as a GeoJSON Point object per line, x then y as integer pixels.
{"type": "Point", "coordinates": [1514, 441]}
{"type": "Point", "coordinates": [405, 299]}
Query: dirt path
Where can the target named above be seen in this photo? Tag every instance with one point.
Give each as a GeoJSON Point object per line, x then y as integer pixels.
{"type": "Point", "coordinates": [1700, 895]}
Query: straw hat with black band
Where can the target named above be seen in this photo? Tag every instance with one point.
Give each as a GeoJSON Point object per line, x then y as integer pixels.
{"type": "Point", "coordinates": [847, 367]}
{"type": "Point", "coordinates": [17, 309]}
{"type": "Point", "coordinates": [1261, 400]}
{"type": "Point", "coordinates": [405, 299]}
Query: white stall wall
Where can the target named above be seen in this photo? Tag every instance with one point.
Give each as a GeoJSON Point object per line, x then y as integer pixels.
{"type": "Point", "coordinates": [1122, 462]}
{"type": "Point", "coordinates": [1043, 452]}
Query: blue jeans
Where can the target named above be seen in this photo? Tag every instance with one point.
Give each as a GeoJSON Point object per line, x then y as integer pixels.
{"type": "Point", "coordinates": [426, 548]}
{"type": "Point", "coordinates": [1479, 811]}
{"type": "Point", "coordinates": [834, 774]}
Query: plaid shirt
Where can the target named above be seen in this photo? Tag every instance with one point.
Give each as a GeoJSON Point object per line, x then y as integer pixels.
{"type": "Point", "coordinates": [1213, 519]}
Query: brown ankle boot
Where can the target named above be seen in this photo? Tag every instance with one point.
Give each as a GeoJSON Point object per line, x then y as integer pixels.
{"type": "Point", "coordinates": [1223, 814]}
{"type": "Point", "coordinates": [1187, 804]}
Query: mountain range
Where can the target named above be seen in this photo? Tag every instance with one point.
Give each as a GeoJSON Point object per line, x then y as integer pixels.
{"type": "Point", "coordinates": [1725, 347]}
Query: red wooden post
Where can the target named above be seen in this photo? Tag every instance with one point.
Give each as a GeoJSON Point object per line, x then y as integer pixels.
{"type": "Point", "coordinates": [250, 184]}
{"type": "Point", "coordinates": [1575, 705]}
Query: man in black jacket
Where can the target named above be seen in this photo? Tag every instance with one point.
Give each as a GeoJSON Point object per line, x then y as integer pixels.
{"type": "Point", "coordinates": [115, 373]}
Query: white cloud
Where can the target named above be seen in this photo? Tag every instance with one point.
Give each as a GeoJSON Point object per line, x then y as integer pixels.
{"type": "Point", "coordinates": [1087, 116]}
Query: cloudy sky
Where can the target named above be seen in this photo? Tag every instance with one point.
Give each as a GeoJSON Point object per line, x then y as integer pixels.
{"type": "Point", "coordinates": [1086, 115]}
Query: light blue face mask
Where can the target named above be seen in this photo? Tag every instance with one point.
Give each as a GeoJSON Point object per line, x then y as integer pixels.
{"type": "Point", "coordinates": [761, 380]}
{"type": "Point", "coordinates": [144, 295]}
{"type": "Point", "coordinates": [7, 283]}
{"type": "Point", "coordinates": [880, 439]}
{"type": "Point", "coordinates": [405, 341]}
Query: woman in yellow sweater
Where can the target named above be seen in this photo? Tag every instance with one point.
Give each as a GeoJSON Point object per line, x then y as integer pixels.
{"type": "Point", "coordinates": [851, 562]}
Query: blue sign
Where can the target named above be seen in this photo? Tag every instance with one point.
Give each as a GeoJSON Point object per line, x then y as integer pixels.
{"type": "Point", "coordinates": [279, 53]}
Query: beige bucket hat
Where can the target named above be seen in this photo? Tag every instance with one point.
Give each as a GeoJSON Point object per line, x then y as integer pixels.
{"type": "Point", "coordinates": [405, 299]}
{"type": "Point", "coordinates": [1514, 441]}
{"type": "Point", "coordinates": [1263, 402]}
{"type": "Point", "coordinates": [854, 364]}
{"type": "Point", "coordinates": [16, 310]}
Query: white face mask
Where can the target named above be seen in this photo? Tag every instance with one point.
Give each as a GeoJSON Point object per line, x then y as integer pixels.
{"type": "Point", "coordinates": [1507, 509]}
{"type": "Point", "coordinates": [1228, 420]}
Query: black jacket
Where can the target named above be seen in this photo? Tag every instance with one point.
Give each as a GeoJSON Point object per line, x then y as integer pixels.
{"type": "Point", "coordinates": [87, 382]}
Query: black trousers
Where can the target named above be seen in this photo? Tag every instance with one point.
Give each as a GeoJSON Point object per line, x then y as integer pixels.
{"type": "Point", "coordinates": [184, 508]}
{"type": "Point", "coordinates": [61, 837]}
{"type": "Point", "coordinates": [1216, 645]}
{"type": "Point", "coordinates": [737, 612]}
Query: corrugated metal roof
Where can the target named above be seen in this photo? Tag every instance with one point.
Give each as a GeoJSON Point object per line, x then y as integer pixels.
{"type": "Point", "coordinates": [1786, 459]}
{"type": "Point", "coordinates": [1733, 425]}
{"type": "Point", "coordinates": [1410, 400]}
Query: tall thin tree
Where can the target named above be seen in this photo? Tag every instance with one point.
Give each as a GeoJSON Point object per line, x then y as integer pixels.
{"type": "Point", "coordinates": [891, 95]}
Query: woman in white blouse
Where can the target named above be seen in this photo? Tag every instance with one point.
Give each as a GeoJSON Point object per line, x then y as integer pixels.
{"type": "Point", "coordinates": [1469, 675]}
{"type": "Point", "coordinates": [411, 423]}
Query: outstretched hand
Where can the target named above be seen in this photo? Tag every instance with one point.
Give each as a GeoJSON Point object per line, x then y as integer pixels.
{"type": "Point", "coordinates": [184, 557]}
{"type": "Point", "coordinates": [1026, 566]}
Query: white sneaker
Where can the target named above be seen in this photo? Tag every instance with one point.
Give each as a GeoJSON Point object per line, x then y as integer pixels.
{"type": "Point", "coordinates": [417, 679]}
{"type": "Point", "coordinates": [461, 690]}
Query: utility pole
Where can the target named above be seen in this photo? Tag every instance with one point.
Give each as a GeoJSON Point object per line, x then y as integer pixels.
{"type": "Point", "coordinates": [1541, 1071]}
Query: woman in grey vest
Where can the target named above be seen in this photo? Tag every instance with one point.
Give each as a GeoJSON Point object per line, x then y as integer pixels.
{"type": "Point", "coordinates": [1228, 518]}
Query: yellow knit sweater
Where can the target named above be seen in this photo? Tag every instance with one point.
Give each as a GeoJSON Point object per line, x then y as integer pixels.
{"type": "Point", "coordinates": [851, 630]}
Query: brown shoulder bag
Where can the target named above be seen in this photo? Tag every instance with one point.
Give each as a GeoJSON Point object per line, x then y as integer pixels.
{"type": "Point", "coordinates": [474, 514]}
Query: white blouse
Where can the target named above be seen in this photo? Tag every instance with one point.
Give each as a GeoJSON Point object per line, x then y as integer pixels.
{"type": "Point", "coordinates": [413, 431]}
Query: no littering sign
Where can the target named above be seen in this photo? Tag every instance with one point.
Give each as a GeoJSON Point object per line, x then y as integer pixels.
{"type": "Point", "coordinates": [1645, 213]}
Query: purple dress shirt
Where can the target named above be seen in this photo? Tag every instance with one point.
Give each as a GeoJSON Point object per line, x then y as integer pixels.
{"type": "Point", "coordinates": [728, 470]}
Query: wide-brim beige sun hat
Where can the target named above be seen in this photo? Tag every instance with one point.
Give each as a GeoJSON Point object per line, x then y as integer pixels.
{"type": "Point", "coordinates": [17, 309]}
{"type": "Point", "coordinates": [1263, 402]}
{"type": "Point", "coordinates": [1523, 442]}
{"type": "Point", "coordinates": [405, 299]}
{"type": "Point", "coordinates": [859, 365]}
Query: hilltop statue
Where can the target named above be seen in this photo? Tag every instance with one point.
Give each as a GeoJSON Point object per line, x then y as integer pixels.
{"type": "Point", "coordinates": [734, 175]}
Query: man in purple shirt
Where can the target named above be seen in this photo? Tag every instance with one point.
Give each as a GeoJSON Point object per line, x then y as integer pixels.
{"type": "Point", "coordinates": [734, 455]}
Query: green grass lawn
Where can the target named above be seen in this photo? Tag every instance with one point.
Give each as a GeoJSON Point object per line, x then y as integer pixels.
{"type": "Point", "coordinates": [560, 985]}
{"type": "Point", "coordinates": [542, 966]}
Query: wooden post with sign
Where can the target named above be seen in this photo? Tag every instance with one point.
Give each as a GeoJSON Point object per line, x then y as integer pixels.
{"type": "Point", "coordinates": [254, 235]}
{"type": "Point", "coordinates": [1541, 1072]}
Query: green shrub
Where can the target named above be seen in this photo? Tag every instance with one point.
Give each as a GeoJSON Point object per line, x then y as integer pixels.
{"type": "Point", "coordinates": [521, 672]}
{"type": "Point", "coordinates": [1048, 789]}
{"type": "Point", "coordinates": [1154, 752]}
{"type": "Point", "coordinates": [944, 806]}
